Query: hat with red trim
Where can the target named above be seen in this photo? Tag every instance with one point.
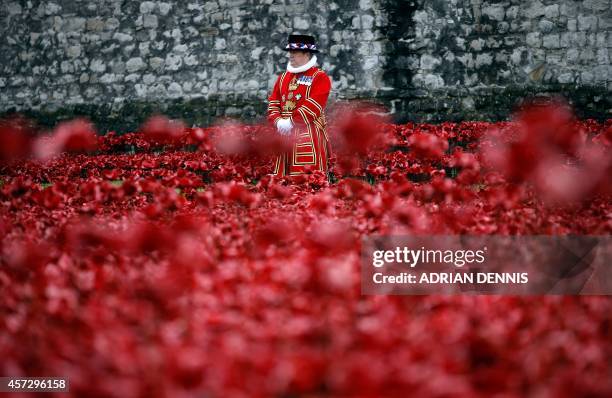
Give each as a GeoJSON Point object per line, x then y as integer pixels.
{"type": "Point", "coordinates": [301, 43]}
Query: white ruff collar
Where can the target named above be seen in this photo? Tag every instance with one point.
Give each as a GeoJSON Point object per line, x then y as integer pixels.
{"type": "Point", "coordinates": [303, 68]}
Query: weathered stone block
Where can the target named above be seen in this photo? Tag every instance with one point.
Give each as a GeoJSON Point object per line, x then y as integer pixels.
{"type": "Point", "coordinates": [52, 8]}
{"type": "Point", "coordinates": [175, 90]}
{"type": "Point", "coordinates": [147, 7]}
{"type": "Point", "coordinates": [301, 23]}
{"type": "Point", "coordinates": [123, 37]}
{"type": "Point", "coordinates": [150, 21]}
{"type": "Point", "coordinates": [429, 62]}
{"type": "Point", "coordinates": [483, 59]}
{"type": "Point", "coordinates": [493, 42]}
{"type": "Point", "coordinates": [220, 43]}
{"type": "Point", "coordinates": [518, 55]}
{"type": "Point", "coordinates": [502, 58]}
{"type": "Point", "coordinates": [477, 44]}
{"type": "Point", "coordinates": [602, 56]}
{"type": "Point", "coordinates": [164, 8]}
{"type": "Point", "coordinates": [370, 63]}
{"type": "Point", "coordinates": [536, 9]}
{"type": "Point", "coordinates": [587, 22]}
{"type": "Point", "coordinates": [73, 51]}
{"type": "Point", "coordinates": [179, 49]}
{"type": "Point", "coordinates": [135, 64]}
{"type": "Point", "coordinates": [111, 24]}
{"type": "Point", "coordinates": [512, 12]}
{"type": "Point", "coordinates": [149, 78]}
{"type": "Point", "coordinates": [95, 24]}
{"type": "Point", "coordinates": [66, 67]}
{"type": "Point", "coordinates": [132, 77]}
{"type": "Point", "coordinates": [604, 22]}
{"type": "Point", "coordinates": [555, 58]}
{"type": "Point", "coordinates": [600, 73]}
{"type": "Point", "coordinates": [156, 63]}
{"type": "Point", "coordinates": [551, 11]}
{"type": "Point", "coordinates": [566, 78]}
{"type": "Point", "coordinates": [191, 60]}
{"type": "Point", "coordinates": [108, 78]}
{"type": "Point", "coordinates": [578, 39]}
{"type": "Point", "coordinates": [551, 41]}
{"type": "Point", "coordinates": [367, 22]}
{"type": "Point", "coordinates": [74, 24]}
{"type": "Point", "coordinates": [367, 35]}
{"type": "Point", "coordinates": [495, 12]}
{"type": "Point", "coordinates": [572, 55]}
{"type": "Point", "coordinates": [546, 26]}
{"type": "Point", "coordinates": [127, 50]}
{"type": "Point", "coordinates": [564, 40]}
{"type": "Point", "coordinates": [366, 4]}
{"type": "Point", "coordinates": [429, 81]}
{"type": "Point", "coordinates": [587, 56]}
{"type": "Point", "coordinates": [13, 8]}
{"type": "Point", "coordinates": [534, 39]}
{"type": "Point", "coordinates": [568, 8]}
{"type": "Point", "coordinates": [97, 65]}
{"type": "Point", "coordinates": [601, 39]}
{"type": "Point", "coordinates": [596, 5]}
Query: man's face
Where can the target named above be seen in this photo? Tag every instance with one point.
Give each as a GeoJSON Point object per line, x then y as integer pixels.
{"type": "Point", "coordinates": [298, 58]}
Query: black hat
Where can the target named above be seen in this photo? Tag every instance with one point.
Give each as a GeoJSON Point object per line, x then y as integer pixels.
{"type": "Point", "coordinates": [301, 43]}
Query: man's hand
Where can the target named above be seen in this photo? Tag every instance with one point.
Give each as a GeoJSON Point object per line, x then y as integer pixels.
{"type": "Point", "coordinates": [284, 126]}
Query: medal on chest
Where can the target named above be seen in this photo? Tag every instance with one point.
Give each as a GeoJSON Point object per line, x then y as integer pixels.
{"type": "Point", "coordinates": [293, 84]}
{"type": "Point", "coordinates": [289, 106]}
{"type": "Point", "coordinates": [305, 80]}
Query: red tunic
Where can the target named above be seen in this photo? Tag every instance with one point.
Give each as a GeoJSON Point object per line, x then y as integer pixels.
{"type": "Point", "coordinates": [302, 98]}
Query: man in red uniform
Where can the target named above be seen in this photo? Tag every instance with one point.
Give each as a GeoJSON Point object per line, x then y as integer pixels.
{"type": "Point", "coordinates": [296, 109]}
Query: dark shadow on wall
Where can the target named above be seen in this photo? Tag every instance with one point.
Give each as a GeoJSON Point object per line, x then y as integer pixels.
{"type": "Point", "coordinates": [400, 33]}
{"type": "Point", "coordinates": [348, 65]}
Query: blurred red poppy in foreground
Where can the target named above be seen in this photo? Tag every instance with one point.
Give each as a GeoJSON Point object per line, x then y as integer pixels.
{"type": "Point", "coordinates": [161, 129]}
{"type": "Point", "coordinates": [550, 149]}
{"type": "Point", "coordinates": [142, 271]}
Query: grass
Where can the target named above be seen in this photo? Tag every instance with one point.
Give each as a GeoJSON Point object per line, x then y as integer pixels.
{"type": "Point", "coordinates": [478, 187]}
{"type": "Point", "coordinates": [44, 185]}
{"type": "Point", "coordinates": [116, 183]}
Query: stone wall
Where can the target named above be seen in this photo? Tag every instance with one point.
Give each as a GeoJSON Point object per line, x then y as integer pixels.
{"type": "Point", "coordinates": [117, 61]}
{"type": "Point", "coordinates": [477, 58]}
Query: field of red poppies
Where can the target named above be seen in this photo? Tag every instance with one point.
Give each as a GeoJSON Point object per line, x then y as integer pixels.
{"type": "Point", "coordinates": [169, 263]}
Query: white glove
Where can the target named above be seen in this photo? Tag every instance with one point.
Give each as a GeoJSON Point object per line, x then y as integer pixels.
{"type": "Point", "coordinates": [284, 126]}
